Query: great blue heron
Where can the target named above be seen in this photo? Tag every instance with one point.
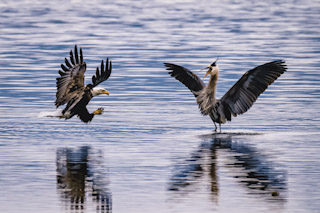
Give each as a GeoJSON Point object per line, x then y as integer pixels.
{"type": "Point", "coordinates": [72, 91]}
{"type": "Point", "coordinates": [238, 99]}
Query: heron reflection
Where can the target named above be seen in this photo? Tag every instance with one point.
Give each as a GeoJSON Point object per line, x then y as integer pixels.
{"type": "Point", "coordinates": [80, 179]}
{"type": "Point", "coordinates": [246, 164]}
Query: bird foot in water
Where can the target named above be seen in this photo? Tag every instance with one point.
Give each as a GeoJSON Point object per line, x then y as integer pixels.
{"type": "Point", "coordinates": [216, 128]}
{"type": "Point", "coordinates": [98, 111]}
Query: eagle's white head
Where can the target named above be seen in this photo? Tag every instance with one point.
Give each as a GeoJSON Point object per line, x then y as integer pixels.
{"type": "Point", "coordinates": [99, 90]}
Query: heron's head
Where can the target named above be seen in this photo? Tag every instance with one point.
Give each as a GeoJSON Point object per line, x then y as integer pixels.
{"type": "Point", "coordinates": [99, 90]}
{"type": "Point", "coordinates": [213, 69]}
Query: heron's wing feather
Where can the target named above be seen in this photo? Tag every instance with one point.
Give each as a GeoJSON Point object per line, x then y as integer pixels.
{"type": "Point", "coordinates": [185, 76]}
{"type": "Point", "coordinates": [102, 74]}
{"type": "Point", "coordinates": [248, 88]}
{"type": "Point", "coordinates": [71, 78]}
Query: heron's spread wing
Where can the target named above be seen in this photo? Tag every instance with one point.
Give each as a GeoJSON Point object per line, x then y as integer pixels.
{"type": "Point", "coordinates": [102, 74]}
{"type": "Point", "coordinates": [71, 78]}
{"type": "Point", "coordinates": [185, 76]}
{"type": "Point", "coordinates": [248, 88]}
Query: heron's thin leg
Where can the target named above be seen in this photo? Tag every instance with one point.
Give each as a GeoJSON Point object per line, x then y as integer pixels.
{"type": "Point", "coordinates": [220, 127]}
{"type": "Point", "coordinates": [215, 129]}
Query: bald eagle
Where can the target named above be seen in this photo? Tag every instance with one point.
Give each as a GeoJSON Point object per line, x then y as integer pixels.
{"type": "Point", "coordinates": [72, 91]}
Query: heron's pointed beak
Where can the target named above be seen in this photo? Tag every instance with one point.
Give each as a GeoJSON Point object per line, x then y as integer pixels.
{"type": "Point", "coordinates": [205, 68]}
{"type": "Point", "coordinates": [106, 92]}
{"type": "Point", "coordinates": [207, 73]}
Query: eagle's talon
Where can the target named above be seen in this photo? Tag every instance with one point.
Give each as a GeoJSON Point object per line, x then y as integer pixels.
{"type": "Point", "coordinates": [98, 111]}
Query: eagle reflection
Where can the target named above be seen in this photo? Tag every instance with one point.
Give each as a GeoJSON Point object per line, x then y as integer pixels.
{"type": "Point", "coordinates": [245, 163]}
{"type": "Point", "coordinates": [81, 179]}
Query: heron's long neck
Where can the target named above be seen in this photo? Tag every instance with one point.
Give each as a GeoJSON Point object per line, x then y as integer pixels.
{"type": "Point", "coordinates": [213, 83]}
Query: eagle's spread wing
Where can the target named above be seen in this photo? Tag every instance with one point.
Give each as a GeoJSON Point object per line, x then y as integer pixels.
{"type": "Point", "coordinates": [185, 76]}
{"type": "Point", "coordinates": [74, 98]}
{"type": "Point", "coordinates": [71, 78]}
{"type": "Point", "coordinates": [102, 74]}
{"type": "Point", "coordinates": [77, 105]}
{"type": "Point", "coordinates": [248, 88]}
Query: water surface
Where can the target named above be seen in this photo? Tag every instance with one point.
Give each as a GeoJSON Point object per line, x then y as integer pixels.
{"type": "Point", "coordinates": [152, 150]}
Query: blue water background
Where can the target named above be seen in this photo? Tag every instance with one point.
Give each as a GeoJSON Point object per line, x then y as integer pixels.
{"type": "Point", "coordinates": [152, 151]}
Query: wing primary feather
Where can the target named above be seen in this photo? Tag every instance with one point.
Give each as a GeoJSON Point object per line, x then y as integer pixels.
{"type": "Point", "coordinates": [67, 63]}
{"type": "Point", "coordinates": [110, 67]}
{"type": "Point", "coordinates": [81, 56]}
{"type": "Point", "coordinates": [102, 68]}
{"type": "Point", "coordinates": [97, 73]}
{"type": "Point", "coordinates": [76, 56]}
{"type": "Point", "coordinates": [71, 57]}
{"type": "Point", "coordinates": [94, 79]}
{"type": "Point", "coordinates": [64, 68]}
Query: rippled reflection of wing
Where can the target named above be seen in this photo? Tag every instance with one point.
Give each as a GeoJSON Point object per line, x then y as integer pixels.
{"type": "Point", "coordinates": [185, 76]}
{"type": "Point", "coordinates": [81, 178]}
{"type": "Point", "coordinates": [71, 78]}
{"type": "Point", "coordinates": [248, 88]}
{"type": "Point", "coordinates": [247, 164]}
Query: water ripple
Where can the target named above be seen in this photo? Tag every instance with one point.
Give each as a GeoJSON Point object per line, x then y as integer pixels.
{"type": "Point", "coordinates": [149, 144]}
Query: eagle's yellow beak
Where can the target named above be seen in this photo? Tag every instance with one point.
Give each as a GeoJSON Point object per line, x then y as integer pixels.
{"type": "Point", "coordinates": [106, 92]}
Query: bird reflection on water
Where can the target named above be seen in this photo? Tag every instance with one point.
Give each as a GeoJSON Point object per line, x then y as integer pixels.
{"type": "Point", "coordinates": [80, 177]}
{"type": "Point", "coordinates": [245, 163]}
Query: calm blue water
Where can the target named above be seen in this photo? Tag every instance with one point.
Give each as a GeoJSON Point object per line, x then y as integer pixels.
{"type": "Point", "coordinates": [152, 151]}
